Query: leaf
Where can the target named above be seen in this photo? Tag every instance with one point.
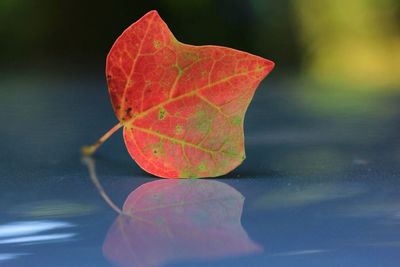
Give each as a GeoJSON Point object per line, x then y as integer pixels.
{"type": "Point", "coordinates": [182, 106]}
{"type": "Point", "coordinates": [169, 220]}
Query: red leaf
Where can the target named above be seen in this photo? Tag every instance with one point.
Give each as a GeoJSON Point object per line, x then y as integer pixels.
{"type": "Point", "coordinates": [168, 221]}
{"type": "Point", "coordinates": [182, 106]}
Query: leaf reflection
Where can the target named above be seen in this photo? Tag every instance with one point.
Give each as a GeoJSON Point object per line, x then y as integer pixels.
{"type": "Point", "coordinates": [173, 220]}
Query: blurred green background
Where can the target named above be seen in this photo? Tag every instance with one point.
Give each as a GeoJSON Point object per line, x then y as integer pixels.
{"type": "Point", "coordinates": [353, 42]}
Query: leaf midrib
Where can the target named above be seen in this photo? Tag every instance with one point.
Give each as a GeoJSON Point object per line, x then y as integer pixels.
{"type": "Point", "coordinates": [170, 100]}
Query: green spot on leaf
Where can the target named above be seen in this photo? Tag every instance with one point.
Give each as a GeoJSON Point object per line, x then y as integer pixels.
{"type": "Point", "coordinates": [157, 149]}
{"type": "Point", "coordinates": [180, 70]}
{"type": "Point", "coordinates": [162, 113]}
{"type": "Point", "coordinates": [191, 56]}
{"type": "Point", "coordinates": [202, 121]}
{"type": "Point", "coordinates": [202, 167]}
{"type": "Point", "coordinates": [259, 68]}
{"type": "Point", "coordinates": [178, 129]}
{"type": "Point", "coordinates": [236, 120]}
{"type": "Point", "coordinates": [156, 44]}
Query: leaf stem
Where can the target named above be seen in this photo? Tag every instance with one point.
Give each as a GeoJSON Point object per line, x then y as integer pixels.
{"type": "Point", "coordinates": [89, 162]}
{"type": "Point", "coordinates": [89, 150]}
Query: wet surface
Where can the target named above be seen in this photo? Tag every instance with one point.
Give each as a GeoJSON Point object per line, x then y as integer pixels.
{"type": "Point", "coordinates": [320, 185]}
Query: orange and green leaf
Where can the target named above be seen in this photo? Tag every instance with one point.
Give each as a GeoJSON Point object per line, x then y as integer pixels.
{"type": "Point", "coordinates": [182, 106]}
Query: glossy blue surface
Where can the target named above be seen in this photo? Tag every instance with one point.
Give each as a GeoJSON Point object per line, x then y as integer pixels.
{"type": "Point", "coordinates": [320, 183]}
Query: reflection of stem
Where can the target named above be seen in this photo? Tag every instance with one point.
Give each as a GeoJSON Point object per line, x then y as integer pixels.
{"type": "Point", "coordinates": [89, 150]}
{"type": "Point", "coordinates": [90, 164]}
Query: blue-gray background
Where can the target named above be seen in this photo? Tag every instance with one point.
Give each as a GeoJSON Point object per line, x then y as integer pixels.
{"type": "Point", "coordinates": [321, 178]}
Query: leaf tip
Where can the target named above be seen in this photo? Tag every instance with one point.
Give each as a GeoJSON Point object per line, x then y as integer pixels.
{"type": "Point", "coordinates": [153, 13]}
{"type": "Point", "coordinates": [269, 65]}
